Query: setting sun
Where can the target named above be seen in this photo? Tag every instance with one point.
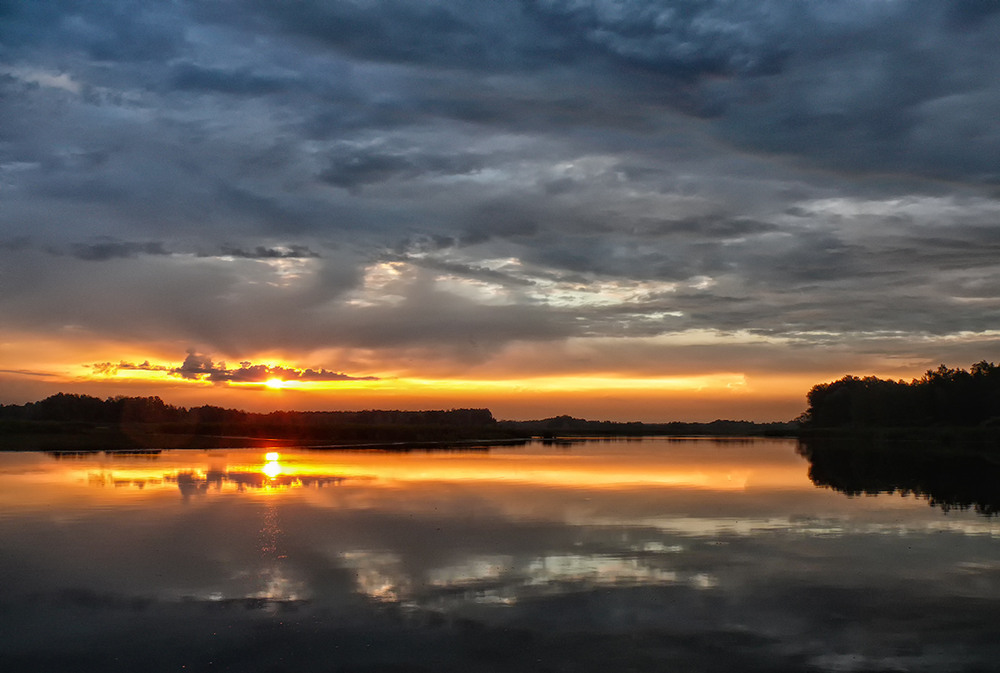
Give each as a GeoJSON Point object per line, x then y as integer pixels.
{"type": "Point", "coordinates": [275, 384]}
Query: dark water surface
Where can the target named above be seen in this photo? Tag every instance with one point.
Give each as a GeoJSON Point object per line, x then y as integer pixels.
{"type": "Point", "coordinates": [659, 554]}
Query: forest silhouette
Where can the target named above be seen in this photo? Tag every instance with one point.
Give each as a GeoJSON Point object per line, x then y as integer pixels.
{"type": "Point", "coordinates": [935, 437]}
{"type": "Point", "coordinates": [942, 397]}
{"type": "Point", "coordinates": [71, 420]}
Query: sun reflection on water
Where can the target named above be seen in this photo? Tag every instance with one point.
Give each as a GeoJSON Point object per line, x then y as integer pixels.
{"type": "Point", "coordinates": [272, 469]}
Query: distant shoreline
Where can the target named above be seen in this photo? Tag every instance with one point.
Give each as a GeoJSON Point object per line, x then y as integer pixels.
{"type": "Point", "coordinates": [45, 437]}
{"type": "Point", "coordinates": [67, 422]}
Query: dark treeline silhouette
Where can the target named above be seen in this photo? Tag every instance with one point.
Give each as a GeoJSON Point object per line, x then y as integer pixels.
{"type": "Point", "coordinates": [942, 397]}
{"type": "Point", "coordinates": [567, 426]}
{"type": "Point", "coordinates": [140, 418]}
{"type": "Point", "coordinates": [72, 407]}
{"type": "Point", "coordinates": [138, 422]}
{"type": "Point", "coordinates": [945, 477]}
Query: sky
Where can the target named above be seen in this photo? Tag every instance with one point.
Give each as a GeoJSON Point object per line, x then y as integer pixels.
{"type": "Point", "coordinates": [658, 210]}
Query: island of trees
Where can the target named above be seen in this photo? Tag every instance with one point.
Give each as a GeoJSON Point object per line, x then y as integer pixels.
{"type": "Point", "coordinates": [942, 398]}
{"type": "Point", "coordinates": [935, 437]}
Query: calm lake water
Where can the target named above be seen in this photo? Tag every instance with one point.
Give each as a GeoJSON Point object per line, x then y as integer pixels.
{"type": "Point", "coordinates": [659, 554]}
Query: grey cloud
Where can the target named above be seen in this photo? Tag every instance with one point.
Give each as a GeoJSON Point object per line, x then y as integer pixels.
{"type": "Point", "coordinates": [452, 325]}
{"type": "Point", "coordinates": [353, 171]}
{"type": "Point", "coordinates": [887, 100]}
{"type": "Point", "coordinates": [468, 271]}
{"type": "Point", "coordinates": [500, 220]}
{"type": "Point", "coordinates": [264, 372]}
{"type": "Point", "coordinates": [474, 34]}
{"type": "Point", "coordinates": [99, 252]}
{"type": "Point", "coordinates": [16, 243]}
{"type": "Point", "coordinates": [242, 82]}
{"type": "Point", "coordinates": [264, 252]}
{"type": "Point", "coordinates": [963, 14]}
{"type": "Point", "coordinates": [832, 83]}
{"type": "Point", "coordinates": [709, 226]}
{"type": "Point", "coordinates": [273, 212]}
{"type": "Point", "coordinates": [595, 141]}
{"type": "Point", "coordinates": [106, 30]}
{"type": "Point", "coordinates": [425, 243]}
{"type": "Point", "coordinates": [197, 365]}
{"type": "Point", "coordinates": [688, 40]}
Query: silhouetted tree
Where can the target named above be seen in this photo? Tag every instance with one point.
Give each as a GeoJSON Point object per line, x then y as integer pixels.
{"type": "Point", "coordinates": [943, 396]}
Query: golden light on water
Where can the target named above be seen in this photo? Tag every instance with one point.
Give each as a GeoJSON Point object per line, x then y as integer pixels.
{"type": "Point", "coordinates": [272, 468]}
{"type": "Point", "coordinates": [585, 467]}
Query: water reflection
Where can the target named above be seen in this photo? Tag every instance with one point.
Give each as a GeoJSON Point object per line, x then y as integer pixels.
{"type": "Point", "coordinates": [947, 477]}
{"type": "Point", "coordinates": [632, 555]}
{"type": "Point", "coordinates": [198, 481]}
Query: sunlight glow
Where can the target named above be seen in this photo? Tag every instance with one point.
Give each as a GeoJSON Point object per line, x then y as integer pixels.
{"type": "Point", "coordinates": [588, 383]}
{"type": "Point", "coordinates": [596, 382]}
{"type": "Point", "coordinates": [273, 468]}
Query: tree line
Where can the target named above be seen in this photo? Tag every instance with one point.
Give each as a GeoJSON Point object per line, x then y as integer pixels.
{"type": "Point", "coordinates": [67, 412]}
{"type": "Point", "coordinates": [941, 397]}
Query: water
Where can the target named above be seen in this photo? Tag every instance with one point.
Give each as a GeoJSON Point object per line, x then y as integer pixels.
{"type": "Point", "coordinates": [660, 554]}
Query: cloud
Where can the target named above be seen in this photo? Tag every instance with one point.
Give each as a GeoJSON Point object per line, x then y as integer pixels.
{"type": "Point", "coordinates": [474, 34]}
{"type": "Point", "coordinates": [456, 179]}
{"type": "Point", "coordinates": [242, 82]}
{"type": "Point", "coordinates": [197, 366]}
{"type": "Point", "coordinates": [97, 252]}
{"type": "Point", "coordinates": [352, 171]}
{"type": "Point", "coordinates": [106, 30]}
{"type": "Point", "coordinates": [687, 40]}
{"type": "Point", "coordinates": [263, 252]}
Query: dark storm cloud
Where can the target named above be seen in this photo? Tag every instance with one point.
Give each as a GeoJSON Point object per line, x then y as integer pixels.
{"type": "Point", "coordinates": [105, 30]}
{"type": "Point", "coordinates": [262, 252]}
{"type": "Point", "coordinates": [688, 40]}
{"type": "Point", "coordinates": [707, 226]}
{"type": "Point", "coordinates": [968, 13]}
{"type": "Point", "coordinates": [353, 171]}
{"type": "Point", "coordinates": [474, 34]}
{"type": "Point", "coordinates": [231, 160]}
{"type": "Point", "coordinates": [191, 77]}
{"type": "Point", "coordinates": [97, 252]}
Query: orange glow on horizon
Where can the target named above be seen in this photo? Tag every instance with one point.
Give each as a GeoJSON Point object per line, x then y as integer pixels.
{"type": "Point", "coordinates": [521, 382]}
{"type": "Point", "coordinates": [598, 396]}
{"type": "Point", "coordinates": [578, 383]}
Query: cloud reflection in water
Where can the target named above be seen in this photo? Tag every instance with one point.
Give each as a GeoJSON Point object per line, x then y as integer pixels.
{"type": "Point", "coordinates": [443, 558]}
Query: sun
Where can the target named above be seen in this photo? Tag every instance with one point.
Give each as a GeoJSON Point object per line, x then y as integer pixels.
{"type": "Point", "coordinates": [275, 384]}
